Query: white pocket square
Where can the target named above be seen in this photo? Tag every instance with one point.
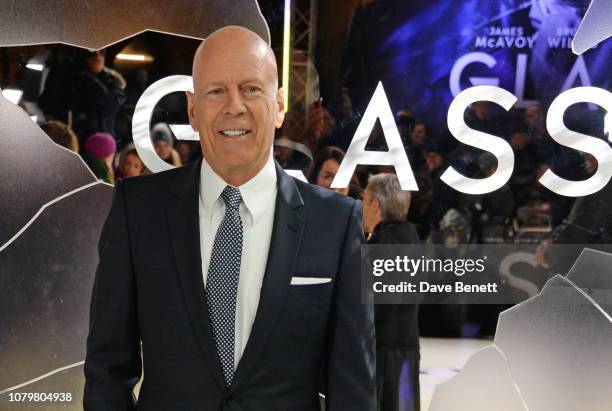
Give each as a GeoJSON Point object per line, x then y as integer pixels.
{"type": "Point", "coordinates": [309, 280]}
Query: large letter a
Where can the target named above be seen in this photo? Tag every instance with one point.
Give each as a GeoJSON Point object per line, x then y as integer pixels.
{"type": "Point", "coordinates": [357, 154]}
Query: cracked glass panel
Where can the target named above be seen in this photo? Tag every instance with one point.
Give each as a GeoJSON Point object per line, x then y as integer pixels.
{"type": "Point", "coordinates": [46, 281]}
{"type": "Point", "coordinates": [34, 170]}
{"type": "Point", "coordinates": [591, 273]}
{"type": "Point", "coordinates": [596, 26]}
{"type": "Point", "coordinates": [28, 22]}
{"type": "Point", "coordinates": [483, 384]}
{"type": "Point", "coordinates": [558, 349]}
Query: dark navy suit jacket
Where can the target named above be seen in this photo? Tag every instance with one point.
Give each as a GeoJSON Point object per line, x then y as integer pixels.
{"type": "Point", "coordinates": [149, 290]}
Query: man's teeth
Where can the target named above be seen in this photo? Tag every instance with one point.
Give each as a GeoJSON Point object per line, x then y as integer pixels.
{"type": "Point", "coordinates": [234, 132]}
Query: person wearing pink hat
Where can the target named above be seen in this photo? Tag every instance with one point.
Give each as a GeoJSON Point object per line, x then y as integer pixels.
{"type": "Point", "coordinates": [99, 152]}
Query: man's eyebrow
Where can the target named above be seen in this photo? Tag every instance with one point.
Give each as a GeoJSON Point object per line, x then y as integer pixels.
{"type": "Point", "coordinates": [241, 82]}
{"type": "Point", "coordinates": [213, 84]}
{"type": "Point", "coordinates": [252, 80]}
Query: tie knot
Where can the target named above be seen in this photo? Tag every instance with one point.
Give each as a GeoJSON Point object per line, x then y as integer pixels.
{"type": "Point", "coordinates": [231, 196]}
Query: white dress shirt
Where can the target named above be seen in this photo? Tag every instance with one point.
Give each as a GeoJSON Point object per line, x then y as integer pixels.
{"type": "Point", "coordinates": [257, 214]}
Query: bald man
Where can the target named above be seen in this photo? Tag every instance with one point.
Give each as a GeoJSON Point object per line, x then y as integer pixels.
{"type": "Point", "coordinates": [236, 284]}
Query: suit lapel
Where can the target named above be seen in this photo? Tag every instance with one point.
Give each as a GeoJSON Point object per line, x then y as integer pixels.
{"type": "Point", "coordinates": [183, 221]}
{"type": "Point", "coordinates": [284, 246]}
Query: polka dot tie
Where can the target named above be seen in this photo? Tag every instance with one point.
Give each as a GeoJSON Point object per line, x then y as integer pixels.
{"type": "Point", "coordinates": [222, 280]}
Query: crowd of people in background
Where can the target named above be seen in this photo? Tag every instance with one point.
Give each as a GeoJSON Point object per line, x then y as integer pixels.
{"type": "Point", "coordinates": [439, 212]}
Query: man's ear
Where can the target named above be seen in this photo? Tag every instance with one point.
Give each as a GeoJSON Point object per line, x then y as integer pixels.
{"type": "Point", "coordinates": [375, 204]}
{"type": "Point", "coordinates": [191, 111]}
{"type": "Point", "coordinates": [280, 106]}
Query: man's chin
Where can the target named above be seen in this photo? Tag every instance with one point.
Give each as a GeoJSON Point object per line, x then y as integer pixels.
{"type": "Point", "coordinates": [234, 163]}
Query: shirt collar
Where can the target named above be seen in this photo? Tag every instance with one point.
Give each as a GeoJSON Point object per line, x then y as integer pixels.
{"type": "Point", "coordinates": [256, 193]}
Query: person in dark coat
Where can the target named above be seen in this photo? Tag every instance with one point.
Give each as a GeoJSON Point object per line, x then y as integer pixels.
{"type": "Point", "coordinates": [385, 206]}
{"type": "Point", "coordinates": [100, 93]}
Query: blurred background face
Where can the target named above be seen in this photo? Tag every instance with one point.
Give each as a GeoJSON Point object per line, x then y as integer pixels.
{"type": "Point", "coordinates": [328, 171]}
{"type": "Point", "coordinates": [236, 105]}
{"type": "Point", "coordinates": [132, 166]}
{"type": "Point", "coordinates": [480, 109]}
{"type": "Point", "coordinates": [95, 63]}
{"type": "Point", "coordinates": [534, 118]}
{"type": "Point", "coordinates": [418, 135]}
{"type": "Point", "coordinates": [326, 176]}
{"type": "Point", "coordinates": [163, 149]}
{"type": "Point", "coordinates": [184, 151]}
{"type": "Point", "coordinates": [434, 160]}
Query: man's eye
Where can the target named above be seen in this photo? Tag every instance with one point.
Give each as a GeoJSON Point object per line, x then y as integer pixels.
{"type": "Point", "coordinates": [252, 89]}
{"type": "Point", "coordinates": [215, 92]}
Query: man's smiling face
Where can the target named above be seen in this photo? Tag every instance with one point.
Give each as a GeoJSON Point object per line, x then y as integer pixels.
{"type": "Point", "coordinates": [236, 104]}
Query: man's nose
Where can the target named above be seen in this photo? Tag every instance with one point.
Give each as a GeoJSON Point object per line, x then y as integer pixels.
{"type": "Point", "coordinates": [235, 104]}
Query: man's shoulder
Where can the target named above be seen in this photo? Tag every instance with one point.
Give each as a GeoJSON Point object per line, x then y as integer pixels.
{"type": "Point", "coordinates": [395, 232]}
{"type": "Point", "coordinates": [154, 184]}
{"type": "Point", "coordinates": [324, 199]}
